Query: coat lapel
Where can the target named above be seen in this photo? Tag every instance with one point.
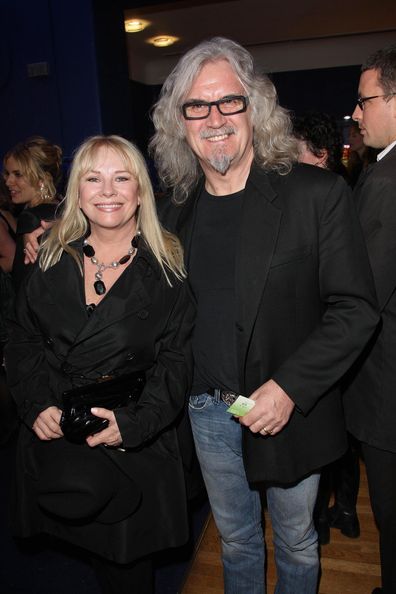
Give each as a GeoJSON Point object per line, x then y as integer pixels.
{"type": "Point", "coordinates": [65, 284]}
{"type": "Point", "coordinates": [256, 243]}
{"type": "Point", "coordinates": [365, 173]}
{"type": "Point", "coordinates": [66, 293]}
{"type": "Point", "coordinates": [185, 223]}
{"type": "Point", "coordinates": [125, 298]}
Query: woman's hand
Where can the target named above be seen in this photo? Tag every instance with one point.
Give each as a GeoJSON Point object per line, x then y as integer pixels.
{"type": "Point", "coordinates": [110, 436]}
{"type": "Point", "coordinates": [46, 426]}
{"type": "Point", "coordinates": [31, 241]}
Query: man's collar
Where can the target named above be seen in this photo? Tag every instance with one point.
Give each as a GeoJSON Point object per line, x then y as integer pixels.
{"type": "Point", "coordinates": [386, 150]}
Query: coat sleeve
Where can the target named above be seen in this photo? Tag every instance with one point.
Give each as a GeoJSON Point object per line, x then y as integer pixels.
{"type": "Point", "coordinates": [168, 381]}
{"type": "Point", "coordinates": [350, 306]}
{"type": "Point", "coordinates": [27, 369]}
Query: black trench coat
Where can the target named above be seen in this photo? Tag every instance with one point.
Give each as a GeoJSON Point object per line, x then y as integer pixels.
{"type": "Point", "coordinates": [141, 324]}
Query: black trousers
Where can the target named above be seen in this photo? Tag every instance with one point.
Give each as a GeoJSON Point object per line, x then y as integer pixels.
{"type": "Point", "coordinates": [341, 477]}
{"type": "Point", "coordinates": [381, 475]}
{"type": "Point", "coordinates": [134, 578]}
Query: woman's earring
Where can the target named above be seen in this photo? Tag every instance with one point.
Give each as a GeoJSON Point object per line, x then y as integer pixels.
{"type": "Point", "coordinates": [44, 195]}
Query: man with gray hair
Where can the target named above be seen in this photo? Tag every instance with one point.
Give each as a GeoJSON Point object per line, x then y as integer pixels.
{"type": "Point", "coordinates": [370, 402]}
{"type": "Point", "coordinates": [285, 303]}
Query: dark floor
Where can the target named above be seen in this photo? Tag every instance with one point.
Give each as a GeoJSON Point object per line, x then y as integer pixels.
{"type": "Point", "coordinates": [34, 568]}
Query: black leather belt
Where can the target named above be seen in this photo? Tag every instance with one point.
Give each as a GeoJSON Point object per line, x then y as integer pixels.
{"type": "Point", "coordinates": [226, 395]}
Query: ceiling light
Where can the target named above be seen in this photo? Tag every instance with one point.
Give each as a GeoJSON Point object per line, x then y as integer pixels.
{"type": "Point", "coordinates": [347, 117]}
{"type": "Point", "coordinates": [135, 25]}
{"type": "Point", "coordinates": [163, 40]}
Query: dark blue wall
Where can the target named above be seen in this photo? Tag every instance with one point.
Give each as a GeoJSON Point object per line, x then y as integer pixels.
{"type": "Point", "coordinates": [87, 89]}
{"type": "Point", "coordinates": [333, 90]}
{"type": "Point", "coordinates": [64, 105]}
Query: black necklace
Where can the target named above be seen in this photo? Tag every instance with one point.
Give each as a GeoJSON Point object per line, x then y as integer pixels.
{"type": "Point", "coordinates": [99, 286]}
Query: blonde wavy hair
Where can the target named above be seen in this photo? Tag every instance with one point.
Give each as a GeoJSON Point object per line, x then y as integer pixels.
{"type": "Point", "coordinates": [40, 162]}
{"type": "Point", "coordinates": [73, 224]}
{"type": "Point", "coordinates": [274, 145]}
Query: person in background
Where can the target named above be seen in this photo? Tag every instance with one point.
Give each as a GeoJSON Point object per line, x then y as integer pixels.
{"type": "Point", "coordinates": [8, 417]}
{"type": "Point", "coordinates": [370, 404]}
{"type": "Point", "coordinates": [285, 304]}
{"type": "Point", "coordinates": [355, 139]}
{"type": "Point", "coordinates": [360, 155]}
{"type": "Point", "coordinates": [32, 171]}
{"type": "Point", "coordinates": [105, 300]}
{"type": "Point", "coordinates": [320, 143]}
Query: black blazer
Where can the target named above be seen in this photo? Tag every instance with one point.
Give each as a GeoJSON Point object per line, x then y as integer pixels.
{"type": "Point", "coordinates": [305, 308]}
{"type": "Point", "coordinates": [141, 324]}
{"type": "Point", "coordinates": [370, 402]}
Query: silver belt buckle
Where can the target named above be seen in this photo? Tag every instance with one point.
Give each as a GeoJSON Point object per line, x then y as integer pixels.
{"type": "Point", "coordinates": [228, 397]}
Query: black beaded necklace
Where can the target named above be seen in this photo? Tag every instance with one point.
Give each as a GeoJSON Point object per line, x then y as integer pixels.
{"type": "Point", "coordinates": [99, 286]}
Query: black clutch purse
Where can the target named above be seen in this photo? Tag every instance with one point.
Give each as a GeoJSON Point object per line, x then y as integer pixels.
{"type": "Point", "coordinates": [77, 421]}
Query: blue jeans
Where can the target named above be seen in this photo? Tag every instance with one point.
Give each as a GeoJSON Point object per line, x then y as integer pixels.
{"type": "Point", "coordinates": [237, 511]}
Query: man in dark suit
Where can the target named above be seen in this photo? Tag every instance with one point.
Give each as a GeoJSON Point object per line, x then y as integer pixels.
{"type": "Point", "coordinates": [278, 266]}
{"type": "Point", "coordinates": [370, 402]}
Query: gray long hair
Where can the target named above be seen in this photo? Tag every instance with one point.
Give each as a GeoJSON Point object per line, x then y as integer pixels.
{"type": "Point", "coordinates": [274, 145]}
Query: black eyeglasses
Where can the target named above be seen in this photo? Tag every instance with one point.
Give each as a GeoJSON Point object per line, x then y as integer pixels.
{"type": "Point", "coordinates": [362, 100]}
{"type": "Point", "coordinates": [229, 105]}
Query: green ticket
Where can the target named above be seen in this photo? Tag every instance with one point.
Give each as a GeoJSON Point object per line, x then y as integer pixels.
{"type": "Point", "coordinates": [241, 406]}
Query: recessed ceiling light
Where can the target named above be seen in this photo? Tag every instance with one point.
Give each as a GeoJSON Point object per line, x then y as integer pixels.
{"type": "Point", "coordinates": [135, 25]}
{"type": "Point", "coordinates": [347, 117]}
{"type": "Point", "coordinates": [163, 40]}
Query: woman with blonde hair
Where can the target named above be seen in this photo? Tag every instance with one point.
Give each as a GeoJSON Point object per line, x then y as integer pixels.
{"type": "Point", "coordinates": [32, 173]}
{"type": "Point", "coordinates": [99, 364]}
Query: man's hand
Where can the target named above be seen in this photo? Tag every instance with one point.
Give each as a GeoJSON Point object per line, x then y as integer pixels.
{"type": "Point", "coordinates": [271, 412]}
{"type": "Point", "coordinates": [31, 243]}
{"type": "Point", "coordinates": [110, 436]}
{"type": "Point", "coordinates": [46, 425]}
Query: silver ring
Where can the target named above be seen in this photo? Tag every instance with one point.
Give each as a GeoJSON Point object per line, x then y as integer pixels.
{"type": "Point", "coordinates": [265, 431]}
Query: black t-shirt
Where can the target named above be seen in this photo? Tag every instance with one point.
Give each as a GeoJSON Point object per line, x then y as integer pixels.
{"type": "Point", "coordinates": [212, 277]}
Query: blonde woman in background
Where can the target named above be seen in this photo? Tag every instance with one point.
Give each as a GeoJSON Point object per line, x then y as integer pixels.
{"type": "Point", "coordinates": [32, 172]}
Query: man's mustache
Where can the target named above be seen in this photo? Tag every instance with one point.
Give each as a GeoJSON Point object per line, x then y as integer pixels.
{"type": "Point", "coordinates": [210, 133]}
